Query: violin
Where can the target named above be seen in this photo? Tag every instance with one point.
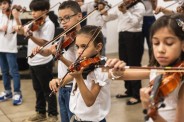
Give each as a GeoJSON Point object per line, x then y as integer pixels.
{"type": "Point", "coordinates": [84, 62]}
{"type": "Point", "coordinates": [36, 25]}
{"type": "Point", "coordinates": [17, 7]}
{"type": "Point", "coordinates": [128, 4]}
{"type": "Point", "coordinates": [65, 43]}
{"type": "Point", "coordinates": [77, 65]}
{"type": "Point", "coordinates": [8, 13]}
{"type": "Point", "coordinates": [162, 85]}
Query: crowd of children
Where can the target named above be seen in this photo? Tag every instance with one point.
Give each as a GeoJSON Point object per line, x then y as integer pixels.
{"type": "Point", "coordinates": [84, 90]}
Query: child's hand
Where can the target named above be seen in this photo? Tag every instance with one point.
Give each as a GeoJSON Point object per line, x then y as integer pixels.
{"type": "Point", "coordinates": [77, 74]}
{"type": "Point", "coordinates": [4, 28]}
{"type": "Point", "coordinates": [115, 64]}
{"type": "Point", "coordinates": [145, 96]}
{"type": "Point", "coordinates": [52, 49]}
{"type": "Point", "coordinates": [15, 13]}
{"type": "Point", "coordinates": [27, 31]}
{"type": "Point", "coordinates": [117, 68]}
{"type": "Point", "coordinates": [158, 10]}
{"type": "Point", "coordinates": [122, 8]}
{"type": "Point", "coordinates": [54, 83]}
{"type": "Point", "coordinates": [36, 50]}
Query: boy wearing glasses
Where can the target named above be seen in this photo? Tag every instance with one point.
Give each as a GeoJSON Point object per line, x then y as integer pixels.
{"type": "Point", "coordinates": [41, 66]}
{"type": "Point", "coordinates": [69, 14]}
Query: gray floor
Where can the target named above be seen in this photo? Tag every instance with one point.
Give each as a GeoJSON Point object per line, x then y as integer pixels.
{"type": "Point", "coordinates": [120, 112]}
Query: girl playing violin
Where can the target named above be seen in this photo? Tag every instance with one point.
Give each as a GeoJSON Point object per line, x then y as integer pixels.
{"type": "Point", "coordinates": [90, 96]}
{"type": "Point", "coordinates": [167, 40]}
{"type": "Point", "coordinates": [8, 53]}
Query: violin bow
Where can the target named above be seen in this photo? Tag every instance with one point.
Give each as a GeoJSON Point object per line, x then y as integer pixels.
{"type": "Point", "coordinates": [145, 69]}
{"type": "Point", "coordinates": [68, 30]}
{"type": "Point", "coordinates": [62, 34]}
{"type": "Point", "coordinates": [95, 34]}
{"type": "Point", "coordinates": [39, 16]}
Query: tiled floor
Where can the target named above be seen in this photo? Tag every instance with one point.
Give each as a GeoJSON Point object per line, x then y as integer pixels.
{"type": "Point", "coordinates": [120, 112]}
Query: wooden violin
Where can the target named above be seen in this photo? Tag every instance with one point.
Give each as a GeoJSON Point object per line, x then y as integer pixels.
{"type": "Point", "coordinates": [65, 43]}
{"type": "Point", "coordinates": [84, 62]}
{"type": "Point", "coordinates": [162, 85]}
{"type": "Point", "coordinates": [128, 4]}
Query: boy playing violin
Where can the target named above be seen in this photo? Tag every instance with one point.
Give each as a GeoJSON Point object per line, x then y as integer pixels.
{"type": "Point", "coordinates": [41, 66]}
{"type": "Point", "coordinates": [69, 14]}
{"type": "Point", "coordinates": [8, 52]}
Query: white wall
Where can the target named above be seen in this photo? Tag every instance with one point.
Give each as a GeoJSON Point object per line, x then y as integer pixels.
{"type": "Point", "coordinates": [112, 35]}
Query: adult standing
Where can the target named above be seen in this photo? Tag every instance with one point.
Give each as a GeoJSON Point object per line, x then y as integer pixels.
{"type": "Point", "coordinates": [131, 48]}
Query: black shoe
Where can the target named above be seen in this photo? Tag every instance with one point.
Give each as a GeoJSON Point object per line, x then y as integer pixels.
{"type": "Point", "coordinates": [133, 102]}
{"type": "Point", "coordinates": [122, 95]}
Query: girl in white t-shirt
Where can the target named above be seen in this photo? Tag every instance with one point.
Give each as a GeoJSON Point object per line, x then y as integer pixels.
{"type": "Point", "coordinates": [8, 53]}
{"type": "Point", "coordinates": [167, 40]}
{"type": "Point", "coordinates": [90, 96]}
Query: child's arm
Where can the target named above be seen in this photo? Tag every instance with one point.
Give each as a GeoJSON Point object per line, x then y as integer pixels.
{"type": "Point", "coordinates": [89, 96]}
{"type": "Point", "coordinates": [163, 10]}
{"type": "Point", "coordinates": [119, 72]}
{"type": "Point", "coordinates": [45, 51]}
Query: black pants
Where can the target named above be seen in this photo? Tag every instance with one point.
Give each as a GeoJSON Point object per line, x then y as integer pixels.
{"type": "Point", "coordinates": [41, 76]}
{"type": "Point", "coordinates": [131, 47]}
{"type": "Point", "coordinates": [147, 22]}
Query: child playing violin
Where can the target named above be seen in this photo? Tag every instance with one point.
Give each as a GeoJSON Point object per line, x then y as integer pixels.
{"type": "Point", "coordinates": [41, 66]}
{"type": "Point", "coordinates": [90, 96]}
{"type": "Point", "coordinates": [8, 53]}
{"type": "Point", "coordinates": [69, 14]}
{"type": "Point", "coordinates": [168, 45]}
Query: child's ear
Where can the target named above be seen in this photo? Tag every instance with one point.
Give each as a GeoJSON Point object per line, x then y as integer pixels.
{"type": "Point", "coordinates": [99, 47]}
{"type": "Point", "coordinates": [79, 16]}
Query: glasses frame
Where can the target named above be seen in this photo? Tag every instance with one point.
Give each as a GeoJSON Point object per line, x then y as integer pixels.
{"type": "Point", "coordinates": [65, 19]}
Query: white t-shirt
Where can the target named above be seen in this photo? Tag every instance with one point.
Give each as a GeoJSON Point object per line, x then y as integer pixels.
{"type": "Point", "coordinates": [8, 42]}
{"type": "Point", "coordinates": [101, 107]}
{"type": "Point", "coordinates": [130, 21]}
{"type": "Point", "coordinates": [46, 32]}
{"type": "Point", "coordinates": [89, 7]}
{"type": "Point", "coordinates": [69, 55]}
{"type": "Point", "coordinates": [169, 112]}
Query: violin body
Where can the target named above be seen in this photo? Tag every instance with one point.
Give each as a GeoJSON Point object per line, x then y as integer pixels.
{"type": "Point", "coordinates": [65, 43]}
{"type": "Point", "coordinates": [85, 62]}
{"type": "Point", "coordinates": [36, 25]}
{"type": "Point", "coordinates": [128, 4]}
{"type": "Point", "coordinates": [167, 84]}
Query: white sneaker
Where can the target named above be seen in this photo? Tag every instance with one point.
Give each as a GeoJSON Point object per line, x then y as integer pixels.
{"type": "Point", "coordinates": [5, 96]}
{"type": "Point", "coordinates": [17, 99]}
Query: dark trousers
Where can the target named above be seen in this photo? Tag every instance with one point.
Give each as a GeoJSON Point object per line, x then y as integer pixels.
{"type": "Point", "coordinates": [41, 76]}
{"type": "Point", "coordinates": [131, 47]}
{"type": "Point", "coordinates": [147, 23]}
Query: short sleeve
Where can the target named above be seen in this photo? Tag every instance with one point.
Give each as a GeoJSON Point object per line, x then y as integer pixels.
{"type": "Point", "coordinates": [100, 77]}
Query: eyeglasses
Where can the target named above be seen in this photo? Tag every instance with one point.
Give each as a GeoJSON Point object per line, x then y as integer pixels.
{"type": "Point", "coordinates": [66, 18]}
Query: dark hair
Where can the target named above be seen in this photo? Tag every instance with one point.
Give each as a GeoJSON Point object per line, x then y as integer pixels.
{"type": "Point", "coordinates": [9, 1]}
{"type": "Point", "coordinates": [169, 21]}
{"type": "Point", "coordinates": [92, 30]}
{"type": "Point", "coordinates": [39, 5]}
{"type": "Point", "coordinates": [73, 5]}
